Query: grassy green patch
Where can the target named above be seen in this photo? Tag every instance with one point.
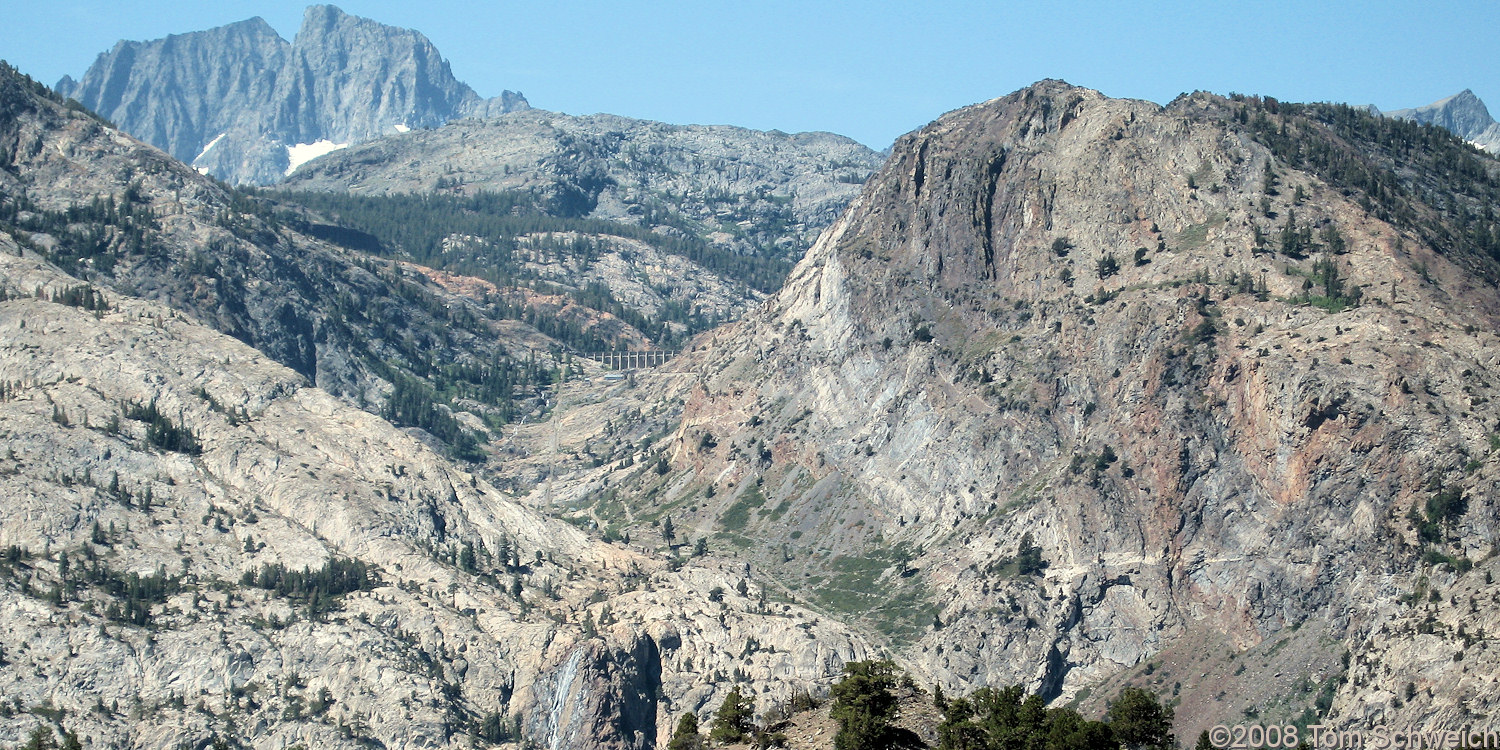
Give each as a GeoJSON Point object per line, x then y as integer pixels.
{"type": "Point", "coordinates": [737, 540]}
{"type": "Point", "coordinates": [780, 510]}
{"type": "Point", "coordinates": [897, 607]}
{"type": "Point", "coordinates": [1204, 175]}
{"type": "Point", "coordinates": [609, 508]}
{"type": "Point", "coordinates": [1195, 236]}
{"type": "Point", "coordinates": [738, 515]}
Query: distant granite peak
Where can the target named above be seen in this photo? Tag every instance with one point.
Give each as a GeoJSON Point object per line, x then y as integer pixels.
{"type": "Point", "coordinates": [1463, 114]}
{"type": "Point", "coordinates": [244, 105]}
{"type": "Point", "coordinates": [327, 16]}
{"type": "Point", "coordinates": [372, 77]}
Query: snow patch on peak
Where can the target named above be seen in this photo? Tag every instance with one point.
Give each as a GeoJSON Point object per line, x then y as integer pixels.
{"type": "Point", "coordinates": [303, 153]}
{"type": "Point", "coordinates": [209, 147]}
{"type": "Point", "coordinates": [400, 128]}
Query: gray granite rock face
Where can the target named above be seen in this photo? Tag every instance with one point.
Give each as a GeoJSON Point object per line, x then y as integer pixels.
{"type": "Point", "coordinates": [244, 105]}
{"type": "Point", "coordinates": [1048, 317]}
{"type": "Point", "coordinates": [747, 191]}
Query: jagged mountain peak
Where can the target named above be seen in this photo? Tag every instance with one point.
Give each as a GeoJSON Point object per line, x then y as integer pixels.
{"type": "Point", "coordinates": [254, 28]}
{"type": "Point", "coordinates": [1462, 114]}
{"type": "Point", "coordinates": [321, 23]}
{"type": "Point", "coordinates": [1463, 101]}
{"type": "Point", "coordinates": [345, 103]}
{"type": "Point", "coordinates": [1465, 97]}
{"type": "Point", "coordinates": [254, 25]}
{"type": "Point", "coordinates": [244, 104]}
{"type": "Point", "coordinates": [324, 15]}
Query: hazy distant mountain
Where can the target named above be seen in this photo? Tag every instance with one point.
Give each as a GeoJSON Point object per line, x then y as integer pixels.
{"type": "Point", "coordinates": [245, 105]}
{"type": "Point", "coordinates": [1462, 114]}
{"type": "Point", "coordinates": [750, 192]}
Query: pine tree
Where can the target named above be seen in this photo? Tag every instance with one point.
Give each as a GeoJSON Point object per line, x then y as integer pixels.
{"type": "Point", "coordinates": [1140, 722]}
{"type": "Point", "coordinates": [864, 706]}
{"type": "Point", "coordinates": [493, 729]}
{"type": "Point", "coordinates": [958, 731]}
{"type": "Point", "coordinates": [1008, 718]}
{"type": "Point", "coordinates": [1029, 560]}
{"type": "Point", "coordinates": [732, 722]}
{"type": "Point", "coordinates": [41, 738]}
{"type": "Point", "coordinates": [686, 736]}
{"type": "Point", "coordinates": [503, 553]}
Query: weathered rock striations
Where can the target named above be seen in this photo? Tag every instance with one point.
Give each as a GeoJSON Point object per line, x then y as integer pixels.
{"type": "Point", "coordinates": [120, 214]}
{"type": "Point", "coordinates": [245, 105]}
{"type": "Point", "coordinates": [283, 473]}
{"type": "Point", "coordinates": [1079, 393]}
{"type": "Point", "coordinates": [1227, 364]}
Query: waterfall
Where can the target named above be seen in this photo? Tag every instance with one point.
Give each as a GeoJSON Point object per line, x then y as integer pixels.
{"type": "Point", "coordinates": [560, 699]}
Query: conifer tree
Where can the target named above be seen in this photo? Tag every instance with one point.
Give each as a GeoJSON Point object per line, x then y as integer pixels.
{"type": "Point", "coordinates": [864, 706]}
{"type": "Point", "coordinates": [732, 722]}
{"type": "Point", "coordinates": [1140, 722]}
{"type": "Point", "coordinates": [686, 736]}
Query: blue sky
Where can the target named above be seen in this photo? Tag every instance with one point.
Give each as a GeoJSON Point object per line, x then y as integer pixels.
{"type": "Point", "coordinates": [870, 70]}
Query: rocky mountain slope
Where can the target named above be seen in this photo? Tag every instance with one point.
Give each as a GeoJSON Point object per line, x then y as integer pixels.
{"type": "Point", "coordinates": [598, 206]}
{"type": "Point", "coordinates": [1462, 114]}
{"type": "Point", "coordinates": [150, 590]}
{"type": "Point", "coordinates": [663, 288]}
{"type": "Point", "coordinates": [1079, 393]}
{"type": "Point", "coordinates": [748, 192]}
{"type": "Point", "coordinates": [670, 228]}
{"type": "Point", "coordinates": [245, 105]}
{"type": "Point", "coordinates": [199, 543]}
{"type": "Point", "coordinates": [1082, 388]}
{"type": "Point", "coordinates": [121, 215]}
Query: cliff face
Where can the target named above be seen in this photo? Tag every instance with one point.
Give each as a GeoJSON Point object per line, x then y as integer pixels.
{"type": "Point", "coordinates": [241, 103]}
{"type": "Point", "coordinates": [179, 93]}
{"type": "Point", "coordinates": [1232, 397]}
